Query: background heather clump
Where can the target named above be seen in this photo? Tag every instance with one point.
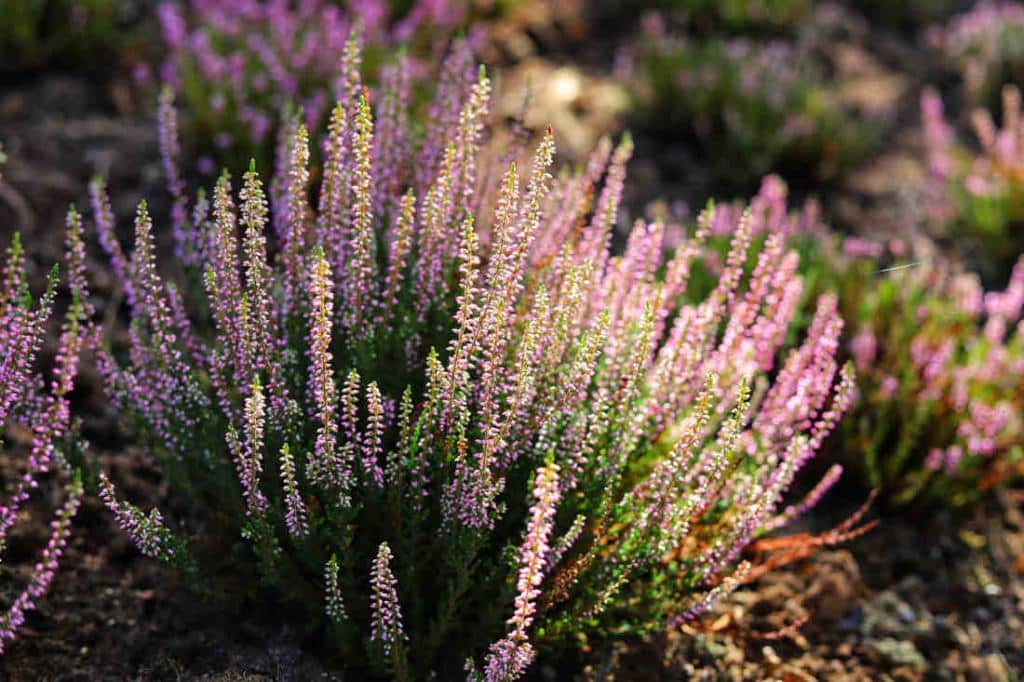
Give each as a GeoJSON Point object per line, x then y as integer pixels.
{"type": "Point", "coordinates": [986, 45]}
{"type": "Point", "coordinates": [238, 66]}
{"type": "Point", "coordinates": [940, 361]}
{"type": "Point", "coordinates": [35, 415]}
{"type": "Point", "coordinates": [765, 99]}
{"type": "Point", "coordinates": [976, 189]}
{"type": "Point", "coordinates": [65, 34]}
{"type": "Point", "coordinates": [435, 417]}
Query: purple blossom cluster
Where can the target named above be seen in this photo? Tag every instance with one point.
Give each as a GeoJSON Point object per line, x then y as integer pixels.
{"type": "Point", "coordinates": [147, 532]}
{"type": "Point", "coordinates": [40, 406]}
{"type": "Point", "coordinates": [240, 63]}
{"type": "Point", "coordinates": [996, 173]}
{"type": "Point", "coordinates": [975, 192]}
{"type": "Point", "coordinates": [949, 358]}
{"type": "Point", "coordinates": [386, 623]}
{"type": "Point", "coordinates": [981, 381]}
{"type": "Point", "coordinates": [509, 657]}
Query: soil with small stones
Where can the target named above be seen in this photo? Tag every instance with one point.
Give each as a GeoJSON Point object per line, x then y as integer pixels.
{"type": "Point", "coordinates": [924, 596]}
{"type": "Point", "coordinates": [932, 598]}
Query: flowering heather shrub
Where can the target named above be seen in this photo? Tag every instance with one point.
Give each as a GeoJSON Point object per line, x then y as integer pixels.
{"type": "Point", "coordinates": [978, 194]}
{"type": "Point", "coordinates": [940, 362]}
{"type": "Point", "coordinates": [435, 412]}
{"type": "Point", "coordinates": [239, 65]}
{"type": "Point", "coordinates": [37, 34]}
{"type": "Point", "coordinates": [987, 45]}
{"type": "Point", "coordinates": [763, 101]}
{"type": "Point", "coordinates": [38, 409]}
{"type": "Point", "coordinates": [941, 367]}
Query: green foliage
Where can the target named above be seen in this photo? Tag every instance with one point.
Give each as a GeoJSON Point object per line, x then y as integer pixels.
{"type": "Point", "coordinates": [79, 35]}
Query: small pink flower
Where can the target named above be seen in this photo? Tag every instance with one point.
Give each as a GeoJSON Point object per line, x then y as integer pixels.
{"type": "Point", "coordinates": [978, 185]}
{"type": "Point", "coordinates": [864, 348]}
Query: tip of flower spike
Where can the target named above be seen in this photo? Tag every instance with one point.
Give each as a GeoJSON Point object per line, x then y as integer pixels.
{"type": "Point", "coordinates": [482, 73]}
{"type": "Point", "coordinates": [252, 164]}
{"type": "Point", "coordinates": [627, 139]}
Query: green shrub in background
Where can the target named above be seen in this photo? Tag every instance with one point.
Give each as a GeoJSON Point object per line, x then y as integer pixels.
{"type": "Point", "coordinates": [752, 107]}
{"type": "Point", "coordinates": [80, 35]}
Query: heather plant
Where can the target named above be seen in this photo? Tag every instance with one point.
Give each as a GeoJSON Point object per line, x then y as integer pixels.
{"type": "Point", "coordinates": [940, 362]}
{"type": "Point", "coordinates": [765, 101]}
{"type": "Point", "coordinates": [239, 66]}
{"type": "Point", "coordinates": [37, 34]}
{"type": "Point", "coordinates": [986, 44]}
{"type": "Point", "coordinates": [976, 194]}
{"type": "Point", "coordinates": [36, 431]}
{"type": "Point", "coordinates": [942, 374]}
{"type": "Point", "coordinates": [433, 413]}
